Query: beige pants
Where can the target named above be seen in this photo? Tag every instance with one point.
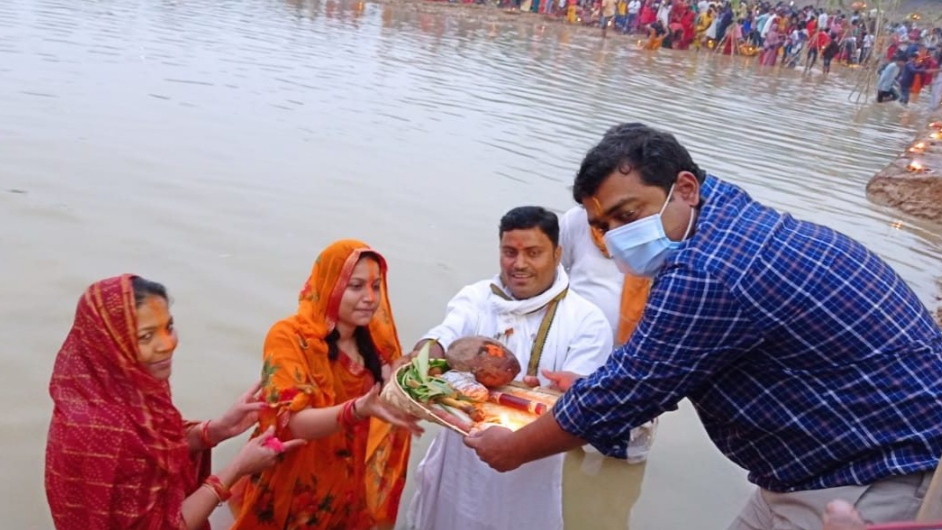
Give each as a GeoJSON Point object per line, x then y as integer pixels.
{"type": "Point", "coordinates": [891, 499]}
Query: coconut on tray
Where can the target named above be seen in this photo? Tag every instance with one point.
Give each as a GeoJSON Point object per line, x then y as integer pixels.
{"type": "Point", "coordinates": [473, 386]}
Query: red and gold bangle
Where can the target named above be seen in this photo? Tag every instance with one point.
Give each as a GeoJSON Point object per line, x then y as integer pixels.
{"type": "Point", "coordinates": [357, 417]}
{"type": "Point", "coordinates": [345, 418]}
{"type": "Point", "coordinates": [204, 435]}
{"type": "Point", "coordinates": [348, 416]}
{"type": "Point", "coordinates": [218, 488]}
{"type": "Point", "coordinates": [351, 419]}
{"type": "Point", "coordinates": [213, 491]}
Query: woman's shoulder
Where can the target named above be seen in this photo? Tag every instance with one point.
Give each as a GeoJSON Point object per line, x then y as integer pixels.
{"type": "Point", "coordinates": [282, 328]}
{"type": "Point", "coordinates": [284, 338]}
{"type": "Point", "coordinates": [293, 329]}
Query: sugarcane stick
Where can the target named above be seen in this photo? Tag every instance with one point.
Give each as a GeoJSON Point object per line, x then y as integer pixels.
{"type": "Point", "coordinates": [517, 402]}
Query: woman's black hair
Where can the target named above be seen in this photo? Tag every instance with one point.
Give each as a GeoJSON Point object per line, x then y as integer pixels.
{"type": "Point", "coordinates": [144, 288]}
{"type": "Point", "coordinates": [365, 345]}
{"type": "Point", "coordinates": [362, 337]}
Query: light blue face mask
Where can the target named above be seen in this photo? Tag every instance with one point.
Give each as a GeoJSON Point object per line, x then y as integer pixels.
{"type": "Point", "coordinates": [640, 248]}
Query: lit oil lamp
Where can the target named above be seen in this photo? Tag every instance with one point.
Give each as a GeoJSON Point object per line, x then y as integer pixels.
{"type": "Point", "coordinates": [936, 135]}
{"type": "Point", "coordinates": [916, 167]}
{"type": "Point", "coordinates": [510, 423]}
{"type": "Point", "coordinates": [918, 147]}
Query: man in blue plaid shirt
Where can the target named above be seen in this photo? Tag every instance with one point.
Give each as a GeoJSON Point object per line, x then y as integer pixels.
{"type": "Point", "coordinates": [809, 360]}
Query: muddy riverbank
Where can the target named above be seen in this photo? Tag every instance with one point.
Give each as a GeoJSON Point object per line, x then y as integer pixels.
{"type": "Point", "coordinates": [912, 183]}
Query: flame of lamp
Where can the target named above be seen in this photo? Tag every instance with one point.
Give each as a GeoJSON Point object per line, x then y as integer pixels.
{"type": "Point", "coordinates": [918, 147]}
{"type": "Point", "coordinates": [915, 167]}
{"type": "Point", "coordinates": [508, 422]}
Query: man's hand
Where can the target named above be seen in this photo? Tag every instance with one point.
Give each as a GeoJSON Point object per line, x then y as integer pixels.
{"type": "Point", "coordinates": [531, 381]}
{"type": "Point", "coordinates": [561, 381]}
{"type": "Point", "coordinates": [558, 380]}
{"type": "Point", "coordinates": [495, 447]}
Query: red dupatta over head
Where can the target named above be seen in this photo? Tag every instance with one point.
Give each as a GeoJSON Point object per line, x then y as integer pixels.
{"type": "Point", "coordinates": [116, 455]}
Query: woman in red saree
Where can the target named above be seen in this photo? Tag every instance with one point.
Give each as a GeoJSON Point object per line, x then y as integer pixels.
{"type": "Point", "coordinates": [675, 26]}
{"type": "Point", "coordinates": [648, 16]}
{"type": "Point", "coordinates": [321, 369]}
{"type": "Point", "coordinates": [688, 23]}
{"type": "Point", "coordinates": [893, 47]}
{"type": "Point", "coordinates": [118, 454]}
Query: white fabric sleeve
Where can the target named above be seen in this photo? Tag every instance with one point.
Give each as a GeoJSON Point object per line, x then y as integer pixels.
{"type": "Point", "coordinates": [592, 344]}
{"type": "Point", "coordinates": [567, 239]}
{"type": "Point", "coordinates": [461, 318]}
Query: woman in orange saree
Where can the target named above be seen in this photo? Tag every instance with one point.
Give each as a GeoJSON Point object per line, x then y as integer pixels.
{"type": "Point", "coordinates": [922, 60]}
{"type": "Point", "coordinates": [118, 454]}
{"type": "Point", "coordinates": [321, 369]}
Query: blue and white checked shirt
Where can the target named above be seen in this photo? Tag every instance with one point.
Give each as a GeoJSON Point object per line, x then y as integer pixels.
{"type": "Point", "coordinates": [809, 360]}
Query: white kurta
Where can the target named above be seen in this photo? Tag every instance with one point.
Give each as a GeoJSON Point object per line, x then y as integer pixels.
{"type": "Point", "coordinates": [454, 489]}
{"type": "Point", "coordinates": [664, 15]}
{"type": "Point", "coordinates": [597, 278]}
{"type": "Point", "coordinates": [591, 273]}
{"type": "Point", "coordinates": [936, 93]}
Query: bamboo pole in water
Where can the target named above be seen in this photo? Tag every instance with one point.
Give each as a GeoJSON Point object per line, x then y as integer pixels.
{"type": "Point", "coordinates": [865, 79]}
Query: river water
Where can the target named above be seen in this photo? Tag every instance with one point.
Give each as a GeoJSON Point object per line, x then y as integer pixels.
{"type": "Point", "coordinates": [218, 145]}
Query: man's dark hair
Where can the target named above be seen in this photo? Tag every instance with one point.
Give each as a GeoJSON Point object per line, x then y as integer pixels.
{"type": "Point", "coordinates": [527, 217]}
{"type": "Point", "coordinates": [656, 155]}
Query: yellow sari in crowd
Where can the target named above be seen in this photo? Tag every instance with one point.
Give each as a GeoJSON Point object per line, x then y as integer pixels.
{"type": "Point", "coordinates": [703, 24]}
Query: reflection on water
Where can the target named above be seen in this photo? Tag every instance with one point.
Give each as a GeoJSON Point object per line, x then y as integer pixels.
{"type": "Point", "coordinates": [218, 145]}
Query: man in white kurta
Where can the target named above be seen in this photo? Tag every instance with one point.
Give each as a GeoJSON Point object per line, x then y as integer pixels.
{"type": "Point", "coordinates": [595, 276]}
{"type": "Point", "coordinates": [454, 489]}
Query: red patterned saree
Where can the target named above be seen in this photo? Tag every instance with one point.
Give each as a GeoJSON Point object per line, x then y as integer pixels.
{"type": "Point", "coordinates": [117, 455]}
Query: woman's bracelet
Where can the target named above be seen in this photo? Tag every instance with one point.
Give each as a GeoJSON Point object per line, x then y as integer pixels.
{"type": "Point", "coordinates": [218, 488]}
{"type": "Point", "coordinates": [204, 435]}
{"type": "Point", "coordinates": [342, 416]}
{"type": "Point", "coordinates": [348, 415]}
{"type": "Point", "coordinates": [356, 414]}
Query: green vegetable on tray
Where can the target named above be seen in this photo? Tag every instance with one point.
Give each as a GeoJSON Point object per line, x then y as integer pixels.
{"type": "Point", "coordinates": [420, 380]}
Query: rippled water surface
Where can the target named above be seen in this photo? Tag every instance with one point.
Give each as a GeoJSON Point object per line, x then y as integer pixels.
{"type": "Point", "coordinates": [218, 145]}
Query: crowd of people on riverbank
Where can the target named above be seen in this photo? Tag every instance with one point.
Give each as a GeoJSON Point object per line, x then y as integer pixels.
{"type": "Point", "coordinates": [777, 33]}
{"type": "Point", "coordinates": [907, 56]}
{"type": "Point", "coordinates": [912, 63]}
